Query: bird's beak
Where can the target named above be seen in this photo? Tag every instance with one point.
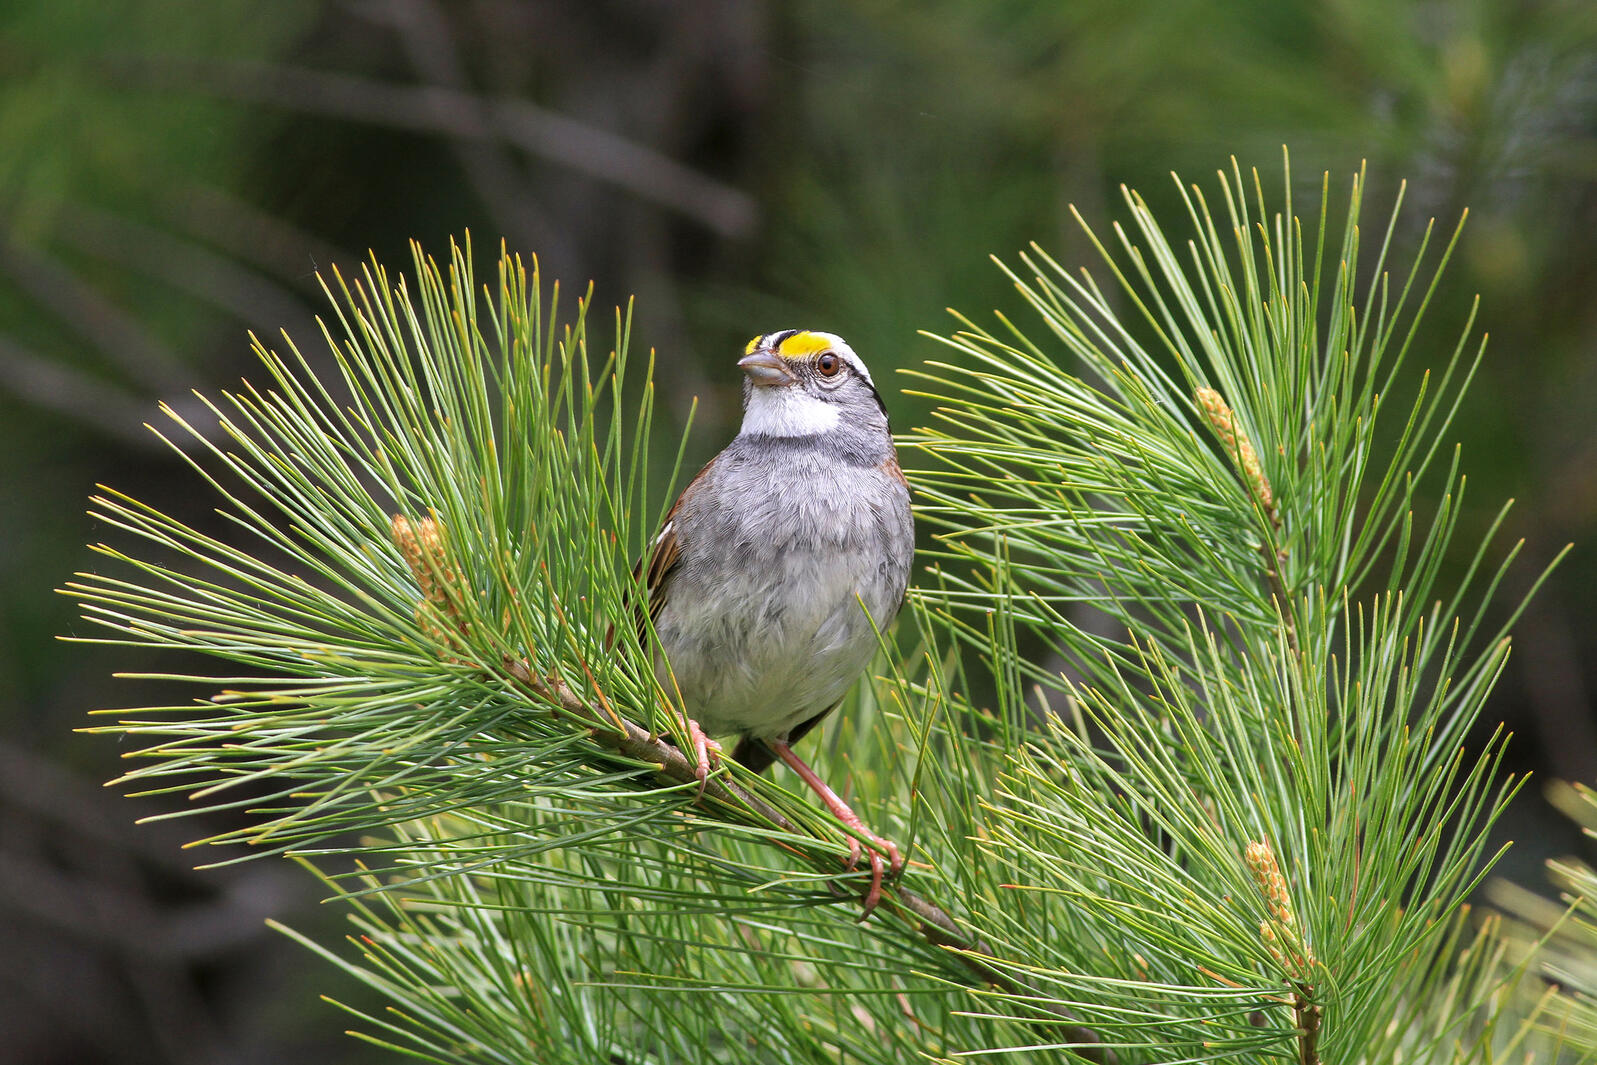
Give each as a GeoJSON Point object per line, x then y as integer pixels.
{"type": "Point", "coordinates": [767, 368]}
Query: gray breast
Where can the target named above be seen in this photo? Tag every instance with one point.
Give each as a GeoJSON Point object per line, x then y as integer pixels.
{"type": "Point", "coordinates": [781, 544]}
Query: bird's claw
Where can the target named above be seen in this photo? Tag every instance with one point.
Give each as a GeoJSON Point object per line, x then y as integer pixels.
{"type": "Point", "coordinates": [873, 894]}
{"type": "Point", "coordinates": [861, 836]}
{"type": "Point", "coordinates": [704, 749]}
{"type": "Point", "coordinates": [896, 860]}
{"type": "Point", "coordinates": [879, 848]}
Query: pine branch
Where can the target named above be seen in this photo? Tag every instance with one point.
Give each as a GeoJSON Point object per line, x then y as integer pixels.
{"type": "Point", "coordinates": [924, 917]}
{"type": "Point", "coordinates": [442, 595]}
{"type": "Point", "coordinates": [1243, 825]}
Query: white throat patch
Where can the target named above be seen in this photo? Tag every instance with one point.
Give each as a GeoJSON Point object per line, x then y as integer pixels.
{"type": "Point", "coordinates": [787, 411]}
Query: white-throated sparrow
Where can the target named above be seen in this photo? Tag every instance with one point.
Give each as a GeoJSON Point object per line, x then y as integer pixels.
{"type": "Point", "coordinates": [761, 579]}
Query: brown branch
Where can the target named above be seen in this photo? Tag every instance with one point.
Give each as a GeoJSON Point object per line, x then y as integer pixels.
{"type": "Point", "coordinates": [1245, 460]}
{"type": "Point", "coordinates": [1306, 1018]}
{"type": "Point", "coordinates": [934, 924]}
{"type": "Point", "coordinates": [424, 546]}
{"type": "Point", "coordinates": [634, 741]}
{"type": "Point", "coordinates": [1272, 577]}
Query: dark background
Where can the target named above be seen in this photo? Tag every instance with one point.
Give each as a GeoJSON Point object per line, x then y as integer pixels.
{"type": "Point", "coordinates": [173, 174]}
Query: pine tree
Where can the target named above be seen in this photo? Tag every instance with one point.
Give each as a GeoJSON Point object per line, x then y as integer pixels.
{"type": "Point", "coordinates": [1173, 729]}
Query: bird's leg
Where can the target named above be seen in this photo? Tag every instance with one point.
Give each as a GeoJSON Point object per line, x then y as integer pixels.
{"type": "Point", "coordinates": [843, 813]}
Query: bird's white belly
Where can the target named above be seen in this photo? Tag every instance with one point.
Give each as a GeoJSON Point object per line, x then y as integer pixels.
{"type": "Point", "coordinates": [784, 643]}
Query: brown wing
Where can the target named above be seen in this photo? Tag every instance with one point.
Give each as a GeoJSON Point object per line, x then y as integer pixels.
{"type": "Point", "coordinates": [663, 557]}
{"type": "Point", "coordinates": [893, 470]}
{"type": "Point", "coordinates": [664, 554]}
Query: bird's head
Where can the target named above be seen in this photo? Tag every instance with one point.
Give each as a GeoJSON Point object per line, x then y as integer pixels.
{"type": "Point", "coordinates": [798, 382]}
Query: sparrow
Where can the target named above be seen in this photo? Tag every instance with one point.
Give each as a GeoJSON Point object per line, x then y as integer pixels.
{"type": "Point", "coordinates": [780, 561]}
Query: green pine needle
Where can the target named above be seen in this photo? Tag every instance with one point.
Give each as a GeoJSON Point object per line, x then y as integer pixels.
{"type": "Point", "coordinates": [1173, 732]}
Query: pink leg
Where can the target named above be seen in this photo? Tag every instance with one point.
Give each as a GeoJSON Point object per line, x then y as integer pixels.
{"type": "Point", "coordinates": [841, 811]}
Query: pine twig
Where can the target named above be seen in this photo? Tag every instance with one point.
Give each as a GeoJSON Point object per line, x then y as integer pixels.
{"type": "Point", "coordinates": [933, 923]}
{"type": "Point", "coordinates": [1287, 945]}
{"type": "Point", "coordinates": [424, 546]}
{"type": "Point", "coordinates": [1306, 1017]}
{"type": "Point", "coordinates": [1245, 458]}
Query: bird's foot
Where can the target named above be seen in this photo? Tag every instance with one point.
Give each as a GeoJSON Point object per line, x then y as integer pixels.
{"type": "Point", "coordinates": [705, 752]}
{"type": "Point", "coordinates": [880, 847]}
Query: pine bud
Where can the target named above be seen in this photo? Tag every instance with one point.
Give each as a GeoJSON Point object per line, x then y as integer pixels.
{"type": "Point", "coordinates": [1272, 885]}
{"type": "Point", "coordinates": [1238, 447]}
{"type": "Point", "coordinates": [404, 536]}
{"type": "Point", "coordinates": [423, 546]}
{"type": "Point", "coordinates": [1279, 933]}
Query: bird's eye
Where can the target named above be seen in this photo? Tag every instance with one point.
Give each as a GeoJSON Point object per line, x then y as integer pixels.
{"type": "Point", "coordinates": [828, 365]}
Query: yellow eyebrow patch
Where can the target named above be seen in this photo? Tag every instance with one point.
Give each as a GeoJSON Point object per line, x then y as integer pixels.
{"type": "Point", "coordinates": [801, 344]}
{"type": "Point", "coordinates": [748, 349]}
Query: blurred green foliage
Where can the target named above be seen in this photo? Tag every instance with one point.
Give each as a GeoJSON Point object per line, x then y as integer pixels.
{"type": "Point", "coordinates": [172, 174]}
